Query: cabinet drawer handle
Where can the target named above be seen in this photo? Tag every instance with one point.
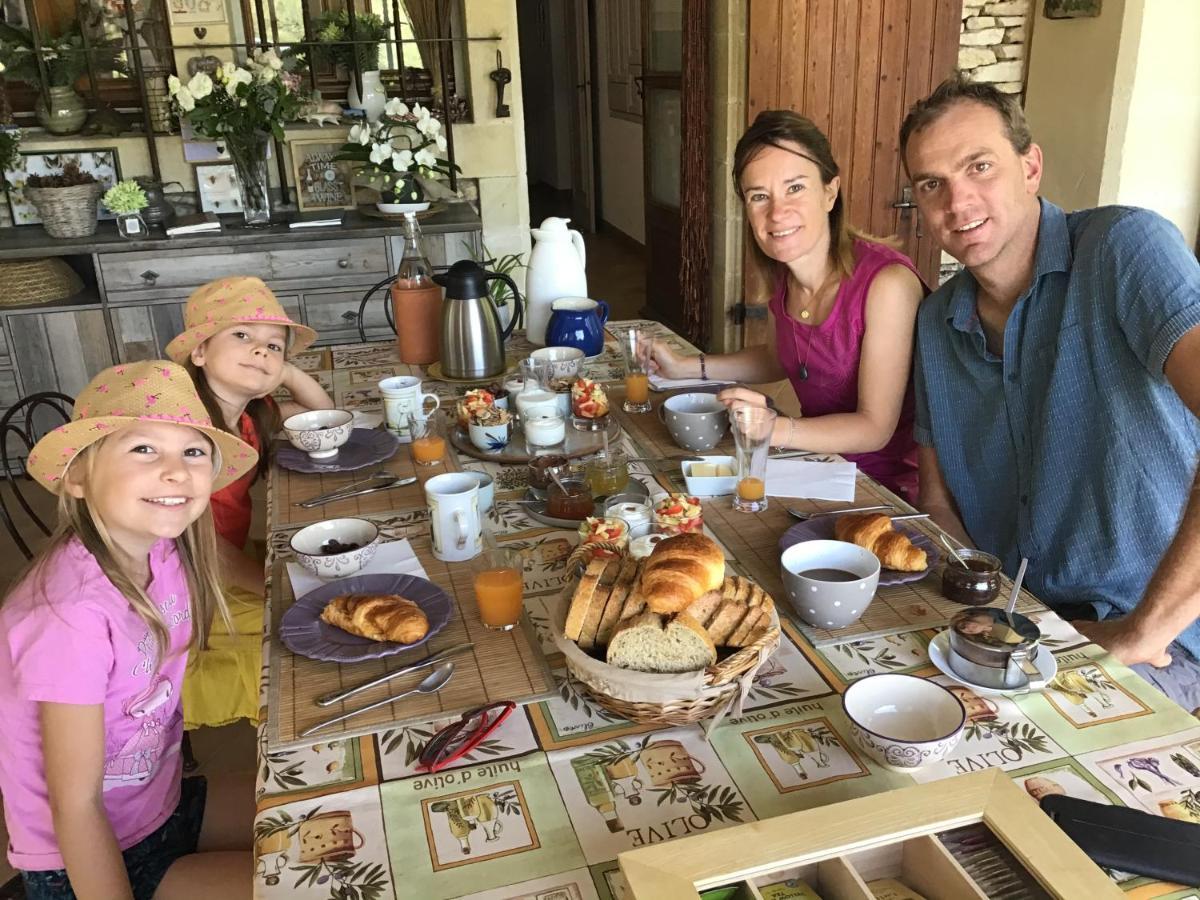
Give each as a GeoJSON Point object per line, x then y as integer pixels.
{"type": "Point", "coordinates": [150, 277]}
{"type": "Point", "coordinates": [344, 262]}
{"type": "Point", "coordinates": [350, 316]}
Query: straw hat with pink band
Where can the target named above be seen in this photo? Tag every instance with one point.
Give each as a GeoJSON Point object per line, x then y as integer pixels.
{"type": "Point", "coordinates": [230, 301]}
{"type": "Point", "coordinates": [153, 391]}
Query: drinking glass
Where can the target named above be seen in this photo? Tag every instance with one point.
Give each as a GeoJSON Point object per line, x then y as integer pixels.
{"type": "Point", "coordinates": [751, 426]}
{"type": "Point", "coordinates": [499, 588]}
{"type": "Point", "coordinates": [428, 439]}
{"type": "Point", "coordinates": [634, 343]}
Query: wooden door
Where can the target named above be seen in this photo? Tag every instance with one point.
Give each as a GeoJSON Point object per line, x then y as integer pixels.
{"type": "Point", "coordinates": [662, 130]}
{"type": "Point", "coordinates": [583, 128]}
{"type": "Point", "coordinates": [854, 67]}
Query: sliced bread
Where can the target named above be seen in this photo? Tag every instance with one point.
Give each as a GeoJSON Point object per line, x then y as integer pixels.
{"type": "Point", "coordinates": [607, 620]}
{"type": "Point", "coordinates": [726, 621]}
{"type": "Point", "coordinates": [581, 602]}
{"type": "Point", "coordinates": [705, 607]}
{"type": "Point", "coordinates": [649, 642]}
{"type": "Point", "coordinates": [746, 627]}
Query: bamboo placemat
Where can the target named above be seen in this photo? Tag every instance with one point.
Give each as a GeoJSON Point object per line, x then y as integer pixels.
{"type": "Point", "coordinates": [501, 666]}
{"type": "Point", "coordinates": [753, 542]}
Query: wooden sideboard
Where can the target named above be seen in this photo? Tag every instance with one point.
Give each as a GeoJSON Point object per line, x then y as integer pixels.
{"type": "Point", "coordinates": [135, 291]}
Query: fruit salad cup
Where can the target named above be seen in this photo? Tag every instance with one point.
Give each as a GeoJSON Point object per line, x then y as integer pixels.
{"type": "Point", "coordinates": [679, 514]}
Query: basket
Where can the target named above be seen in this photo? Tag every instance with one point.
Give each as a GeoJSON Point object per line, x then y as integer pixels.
{"type": "Point", "coordinates": [67, 212]}
{"type": "Point", "coordinates": [679, 699]}
{"type": "Point", "coordinates": [28, 281]}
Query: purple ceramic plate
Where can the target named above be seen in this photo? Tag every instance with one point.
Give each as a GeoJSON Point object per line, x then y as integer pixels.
{"type": "Point", "coordinates": [366, 447]}
{"type": "Point", "coordinates": [822, 530]}
{"type": "Point", "coordinates": [303, 632]}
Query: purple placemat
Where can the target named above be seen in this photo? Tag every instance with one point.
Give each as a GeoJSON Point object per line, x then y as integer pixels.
{"type": "Point", "coordinates": [366, 447]}
{"type": "Point", "coordinates": [303, 632]}
{"type": "Point", "coordinates": [821, 529]}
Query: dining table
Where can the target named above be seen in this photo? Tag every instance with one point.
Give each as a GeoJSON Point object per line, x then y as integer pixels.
{"type": "Point", "coordinates": [346, 813]}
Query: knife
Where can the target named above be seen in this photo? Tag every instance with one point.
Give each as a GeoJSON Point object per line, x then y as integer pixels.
{"type": "Point", "coordinates": [346, 495]}
{"type": "Point", "coordinates": [330, 699]}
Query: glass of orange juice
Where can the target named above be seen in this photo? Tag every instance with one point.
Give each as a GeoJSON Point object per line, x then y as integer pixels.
{"type": "Point", "coordinates": [634, 343]}
{"type": "Point", "coordinates": [428, 440]}
{"type": "Point", "coordinates": [751, 427]}
{"type": "Point", "coordinates": [499, 588]}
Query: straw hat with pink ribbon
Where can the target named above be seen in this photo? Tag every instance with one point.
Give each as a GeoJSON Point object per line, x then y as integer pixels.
{"type": "Point", "coordinates": [152, 391]}
{"type": "Point", "coordinates": [230, 301]}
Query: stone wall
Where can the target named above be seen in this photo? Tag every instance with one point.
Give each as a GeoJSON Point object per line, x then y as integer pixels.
{"type": "Point", "coordinates": [992, 44]}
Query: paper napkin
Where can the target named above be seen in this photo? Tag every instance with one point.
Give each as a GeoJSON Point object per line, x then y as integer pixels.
{"type": "Point", "coordinates": [658, 383]}
{"type": "Point", "coordinates": [392, 558]}
{"type": "Point", "coordinates": [811, 480]}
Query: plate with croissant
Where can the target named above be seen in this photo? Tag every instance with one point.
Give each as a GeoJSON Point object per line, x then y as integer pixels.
{"type": "Point", "coordinates": [365, 617]}
{"type": "Point", "coordinates": [905, 554]}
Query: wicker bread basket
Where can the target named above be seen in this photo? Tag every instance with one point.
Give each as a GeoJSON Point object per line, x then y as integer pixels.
{"type": "Point", "coordinates": [29, 281]}
{"type": "Point", "coordinates": [67, 212]}
{"type": "Point", "coordinates": [652, 699]}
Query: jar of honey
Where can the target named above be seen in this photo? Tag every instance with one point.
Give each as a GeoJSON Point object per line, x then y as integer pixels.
{"type": "Point", "coordinates": [608, 473]}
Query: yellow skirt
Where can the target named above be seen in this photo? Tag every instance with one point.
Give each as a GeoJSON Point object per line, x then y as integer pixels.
{"type": "Point", "coordinates": [221, 683]}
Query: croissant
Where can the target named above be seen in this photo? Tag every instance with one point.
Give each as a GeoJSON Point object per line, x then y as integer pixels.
{"type": "Point", "coordinates": [378, 617]}
{"type": "Point", "coordinates": [874, 532]}
{"type": "Point", "coordinates": [679, 570]}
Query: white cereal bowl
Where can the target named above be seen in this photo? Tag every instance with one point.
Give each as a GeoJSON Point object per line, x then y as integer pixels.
{"type": "Point", "coordinates": [319, 432]}
{"type": "Point", "coordinates": [307, 543]}
{"type": "Point", "coordinates": [565, 362]}
{"type": "Point", "coordinates": [829, 604]}
{"type": "Point", "coordinates": [903, 721]}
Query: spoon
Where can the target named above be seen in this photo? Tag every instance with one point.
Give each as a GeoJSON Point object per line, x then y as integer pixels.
{"type": "Point", "coordinates": [1016, 590]}
{"type": "Point", "coordinates": [431, 684]}
{"type": "Point", "coordinates": [954, 550]}
{"type": "Point", "coordinates": [805, 516]}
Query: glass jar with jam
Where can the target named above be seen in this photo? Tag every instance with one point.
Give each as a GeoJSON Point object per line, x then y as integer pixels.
{"type": "Point", "coordinates": [975, 584]}
{"type": "Point", "coordinates": [608, 473]}
{"type": "Point", "coordinates": [569, 496]}
{"type": "Point", "coordinates": [539, 472]}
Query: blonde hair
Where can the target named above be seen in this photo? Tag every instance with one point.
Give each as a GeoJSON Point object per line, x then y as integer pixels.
{"type": "Point", "coordinates": [197, 548]}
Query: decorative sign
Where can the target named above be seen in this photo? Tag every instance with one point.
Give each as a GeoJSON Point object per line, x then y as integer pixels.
{"type": "Point", "coordinates": [321, 181]}
{"type": "Point", "coordinates": [196, 12]}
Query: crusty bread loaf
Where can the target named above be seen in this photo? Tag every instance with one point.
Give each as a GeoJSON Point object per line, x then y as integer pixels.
{"type": "Point", "coordinates": [581, 602]}
{"type": "Point", "coordinates": [875, 532]}
{"type": "Point", "coordinates": [651, 643]}
{"type": "Point", "coordinates": [679, 570]}
{"type": "Point", "coordinates": [378, 617]}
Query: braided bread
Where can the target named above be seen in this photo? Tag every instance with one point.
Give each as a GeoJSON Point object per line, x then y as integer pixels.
{"type": "Point", "coordinates": [378, 617]}
{"type": "Point", "coordinates": [681, 569]}
{"type": "Point", "coordinates": [874, 532]}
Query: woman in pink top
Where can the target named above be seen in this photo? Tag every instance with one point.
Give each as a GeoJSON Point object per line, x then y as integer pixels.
{"type": "Point", "coordinates": [94, 640]}
{"type": "Point", "coordinates": [842, 310]}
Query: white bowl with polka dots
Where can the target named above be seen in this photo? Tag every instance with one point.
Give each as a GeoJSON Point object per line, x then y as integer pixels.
{"type": "Point", "coordinates": [822, 599]}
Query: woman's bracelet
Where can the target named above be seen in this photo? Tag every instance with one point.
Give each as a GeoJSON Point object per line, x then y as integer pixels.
{"type": "Point", "coordinates": [703, 369]}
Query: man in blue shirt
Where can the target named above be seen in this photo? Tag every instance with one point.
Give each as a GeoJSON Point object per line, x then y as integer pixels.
{"type": "Point", "coordinates": [1058, 386]}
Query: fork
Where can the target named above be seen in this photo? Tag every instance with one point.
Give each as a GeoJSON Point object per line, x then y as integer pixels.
{"type": "Point", "coordinates": [805, 516]}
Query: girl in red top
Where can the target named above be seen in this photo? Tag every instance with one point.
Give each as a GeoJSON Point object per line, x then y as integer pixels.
{"type": "Point", "coordinates": [235, 344]}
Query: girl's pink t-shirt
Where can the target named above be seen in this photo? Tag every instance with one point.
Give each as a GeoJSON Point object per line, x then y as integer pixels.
{"type": "Point", "coordinates": [80, 642]}
{"type": "Point", "coordinates": [832, 351]}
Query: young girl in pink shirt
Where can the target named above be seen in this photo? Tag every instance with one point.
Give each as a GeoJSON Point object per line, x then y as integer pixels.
{"type": "Point", "coordinates": [94, 639]}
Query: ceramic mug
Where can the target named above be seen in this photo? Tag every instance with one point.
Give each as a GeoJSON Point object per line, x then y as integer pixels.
{"type": "Point", "coordinates": [329, 836]}
{"type": "Point", "coordinates": [696, 421]}
{"type": "Point", "coordinates": [454, 514]}
{"type": "Point", "coordinates": [668, 762]}
{"type": "Point", "coordinates": [487, 490]}
{"type": "Point", "coordinates": [402, 395]}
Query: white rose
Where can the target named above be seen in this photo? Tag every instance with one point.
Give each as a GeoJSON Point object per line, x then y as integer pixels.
{"type": "Point", "coordinates": [173, 85]}
{"type": "Point", "coordinates": [380, 152]}
{"type": "Point", "coordinates": [265, 74]}
{"type": "Point", "coordinates": [396, 108]}
{"type": "Point", "coordinates": [200, 86]}
{"type": "Point", "coordinates": [185, 99]}
{"type": "Point", "coordinates": [426, 158]}
{"type": "Point", "coordinates": [401, 160]}
{"type": "Point", "coordinates": [440, 141]}
{"type": "Point", "coordinates": [235, 77]}
{"type": "Point", "coordinates": [269, 58]}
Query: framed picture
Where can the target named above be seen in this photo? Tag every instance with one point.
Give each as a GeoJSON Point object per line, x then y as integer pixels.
{"type": "Point", "coordinates": [101, 163]}
{"type": "Point", "coordinates": [321, 181]}
{"type": "Point", "coordinates": [186, 13]}
{"type": "Point", "coordinates": [218, 188]}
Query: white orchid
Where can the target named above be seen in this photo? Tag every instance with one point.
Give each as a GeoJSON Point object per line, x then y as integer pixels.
{"type": "Point", "coordinates": [434, 128]}
{"type": "Point", "coordinates": [173, 85]}
{"type": "Point", "coordinates": [425, 157]}
{"type": "Point", "coordinates": [185, 99]}
{"type": "Point", "coordinates": [401, 160]}
{"type": "Point", "coordinates": [200, 86]}
{"type": "Point", "coordinates": [395, 108]}
{"type": "Point", "coordinates": [440, 142]}
{"type": "Point", "coordinates": [360, 134]}
{"type": "Point", "coordinates": [381, 152]}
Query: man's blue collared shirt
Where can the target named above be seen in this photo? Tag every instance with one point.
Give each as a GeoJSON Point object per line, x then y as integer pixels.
{"type": "Point", "coordinates": [1072, 449]}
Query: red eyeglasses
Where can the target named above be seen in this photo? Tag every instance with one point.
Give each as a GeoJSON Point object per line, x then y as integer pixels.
{"type": "Point", "coordinates": [459, 738]}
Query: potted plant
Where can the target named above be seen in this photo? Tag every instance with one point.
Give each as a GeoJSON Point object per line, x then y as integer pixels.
{"type": "Point", "coordinates": [10, 140]}
{"type": "Point", "coordinates": [126, 200]}
{"type": "Point", "coordinates": [65, 59]}
{"type": "Point", "coordinates": [66, 202]}
{"type": "Point", "coordinates": [243, 108]}
{"type": "Point", "coordinates": [333, 32]}
{"type": "Point", "coordinates": [393, 154]}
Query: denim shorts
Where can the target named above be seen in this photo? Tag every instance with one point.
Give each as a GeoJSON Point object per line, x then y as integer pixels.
{"type": "Point", "coordinates": [146, 861]}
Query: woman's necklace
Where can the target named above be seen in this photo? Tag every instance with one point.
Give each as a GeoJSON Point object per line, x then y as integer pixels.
{"type": "Point", "coordinates": [806, 314]}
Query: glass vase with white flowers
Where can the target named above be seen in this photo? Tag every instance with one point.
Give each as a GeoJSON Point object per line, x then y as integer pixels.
{"type": "Point", "coordinates": [393, 154]}
{"type": "Point", "coordinates": [242, 108]}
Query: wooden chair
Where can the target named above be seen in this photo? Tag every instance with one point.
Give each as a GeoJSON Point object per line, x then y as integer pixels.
{"type": "Point", "coordinates": [20, 428]}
